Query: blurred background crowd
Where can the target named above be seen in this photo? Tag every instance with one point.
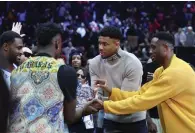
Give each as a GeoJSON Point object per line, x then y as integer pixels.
{"type": "Point", "coordinates": [82, 21]}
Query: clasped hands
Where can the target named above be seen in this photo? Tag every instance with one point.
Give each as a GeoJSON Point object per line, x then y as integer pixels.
{"type": "Point", "coordinates": [93, 106]}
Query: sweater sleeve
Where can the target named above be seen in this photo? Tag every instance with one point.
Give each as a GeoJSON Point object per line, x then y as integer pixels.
{"type": "Point", "coordinates": [132, 77]}
{"type": "Point", "coordinates": [94, 76]}
{"type": "Point", "coordinates": [167, 86]}
{"type": "Point", "coordinates": [93, 71]}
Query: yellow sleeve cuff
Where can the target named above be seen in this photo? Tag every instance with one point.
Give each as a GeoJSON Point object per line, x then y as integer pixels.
{"type": "Point", "coordinates": [105, 106]}
{"type": "Point", "coordinates": [114, 93]}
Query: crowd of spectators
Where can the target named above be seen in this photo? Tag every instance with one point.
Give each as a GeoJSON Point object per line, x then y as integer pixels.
{"type": "Point", "coordinates": [82, 21]}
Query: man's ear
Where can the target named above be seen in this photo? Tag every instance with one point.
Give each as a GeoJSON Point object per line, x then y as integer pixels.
{"type": "Point", "coordinates": [166, 46]}
{"type": "Point", "coordinates": [5, 46]}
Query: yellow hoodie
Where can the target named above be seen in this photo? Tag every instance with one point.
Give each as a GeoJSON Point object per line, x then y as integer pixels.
{"type": "Point", "coordinates": [172, 89]}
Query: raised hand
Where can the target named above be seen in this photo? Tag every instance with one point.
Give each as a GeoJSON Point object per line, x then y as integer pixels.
{"type": "Point", "coordinates": [102, 84]}
{"type": "Point", "coordinates": [16, 27]}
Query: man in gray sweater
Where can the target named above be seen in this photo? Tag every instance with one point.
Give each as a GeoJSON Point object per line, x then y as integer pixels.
{"type": "Point", "coordinates": [122, 70]}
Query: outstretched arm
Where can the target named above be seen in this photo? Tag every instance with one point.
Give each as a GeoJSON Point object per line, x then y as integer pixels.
{"type": "Point", "coordinates": [167, 86]}
{"type": "Point", "coordinates": [116, 94]}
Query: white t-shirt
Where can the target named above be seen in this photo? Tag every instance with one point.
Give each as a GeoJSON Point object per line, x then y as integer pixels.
{"type": "Point", "coordinates": [7, 75]}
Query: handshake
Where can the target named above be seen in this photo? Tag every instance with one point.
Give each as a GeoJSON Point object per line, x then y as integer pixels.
{"type": "Point", "coordinates": [93, 106]}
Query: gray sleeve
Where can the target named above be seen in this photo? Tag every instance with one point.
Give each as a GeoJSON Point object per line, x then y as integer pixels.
{"type": "Point", "coordinates": [133, 77]}
{"type": "Point", "coordinates": [94, 76]}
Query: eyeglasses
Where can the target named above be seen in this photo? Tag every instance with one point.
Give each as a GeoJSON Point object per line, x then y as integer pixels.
{"type": "Point", "coordinates": [82, 76]}
{"type": "Point", "coordinates": [26, 54]}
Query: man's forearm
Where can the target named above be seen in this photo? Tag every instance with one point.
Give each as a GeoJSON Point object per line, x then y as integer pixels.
{"type": "Point", "coordinates": [78, 115]}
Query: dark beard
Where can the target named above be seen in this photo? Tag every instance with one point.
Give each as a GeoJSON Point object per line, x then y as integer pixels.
{"type": "Point", "coordinates": [18, 63]}
{"type": "Point", "coordinates": [3, 61]}
{"type": "Point", "coordinates": [15, 61]}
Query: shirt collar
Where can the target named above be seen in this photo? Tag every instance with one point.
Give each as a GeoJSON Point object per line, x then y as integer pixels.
{"type": "Point", "coordinates": [43, 54]}
{"type": "Point", "coordinates": [15, 66]}
{"type": "Point", "coordinates": [7, 70]}
{"type": "Point", "coordinates": [171, 62]}
{"type": "Point", "coordinates": [116, 56]}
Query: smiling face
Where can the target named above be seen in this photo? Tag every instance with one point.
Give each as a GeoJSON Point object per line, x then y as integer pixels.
{"type": "Point", "coordinates": [158, 50]}
{"type": "Point", "coordinates": [14, 50]}
{"type": "Point", "coordinates": [23, 58]}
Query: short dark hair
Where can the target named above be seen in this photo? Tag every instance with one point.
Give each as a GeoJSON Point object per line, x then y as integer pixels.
{"type": "Point", "coordinates": [8, 37]}
{"type": "Point", "coordinates": [85, 71]}
{"type": "Point", "coordinates": [112, 32]}
{"type": "Point", "coordinates": [165, 37]}
{"type": "Point", "coordinates": [45, 33]}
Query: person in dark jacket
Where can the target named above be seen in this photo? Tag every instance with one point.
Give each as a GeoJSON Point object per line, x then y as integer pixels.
{"type": "Point", "coordinates": [4, 97]}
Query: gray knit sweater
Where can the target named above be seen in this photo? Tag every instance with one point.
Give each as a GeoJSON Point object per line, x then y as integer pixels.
{"type": "Point", "coordinates": [122, 70]}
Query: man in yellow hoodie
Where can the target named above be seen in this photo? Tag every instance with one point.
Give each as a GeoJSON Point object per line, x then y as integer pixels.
{"type": "Point", "coordinates": [172, 90]}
